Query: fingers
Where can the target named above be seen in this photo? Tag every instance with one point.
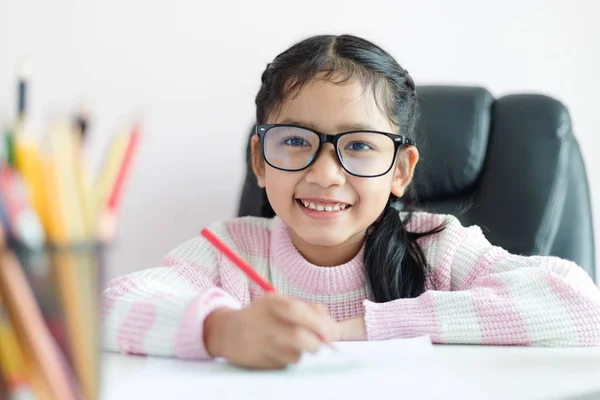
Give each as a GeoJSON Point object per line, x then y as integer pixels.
{"type": "Point", "coordinates": [269, 361]}
{"type": "Point", "coordinates": [277, 330]}
{"type": "Point", "coordinates": [291, 342]}
{"type": "Point", "coordinates": [285, 350]}
{"type": "Point", "coordinates": [298, 313]}
{"type": "Point", "coordinates": [301, 339]}
{"type": "Point", "coordinates": [285, 357]}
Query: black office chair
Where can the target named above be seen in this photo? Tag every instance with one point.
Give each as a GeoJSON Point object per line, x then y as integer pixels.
{"type": "Point", "coordinates": [513, 160]}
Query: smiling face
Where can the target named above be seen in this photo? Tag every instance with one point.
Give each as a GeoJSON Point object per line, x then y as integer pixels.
{"type": "Point", "coordinates": [326, 209]}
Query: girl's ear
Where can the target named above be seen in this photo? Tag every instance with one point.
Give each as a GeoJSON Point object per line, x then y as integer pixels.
{"type": "Point", "coordinates": [405, 168]}
{"type": "Point", "coordinates": [258, 162]}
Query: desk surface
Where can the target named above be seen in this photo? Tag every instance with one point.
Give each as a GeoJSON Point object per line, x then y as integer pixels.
{"type": "Point", "coordinates": [509, 372]}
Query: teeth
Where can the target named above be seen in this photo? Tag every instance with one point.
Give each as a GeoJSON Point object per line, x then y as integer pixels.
{"type": "Point", "coordinates": [327, 208]}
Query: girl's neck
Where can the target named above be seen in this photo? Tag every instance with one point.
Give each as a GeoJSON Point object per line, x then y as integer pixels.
{"type": "Point", "coordinates": [329, 256]}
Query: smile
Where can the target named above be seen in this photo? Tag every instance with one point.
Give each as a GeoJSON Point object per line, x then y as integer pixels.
{"type": "Point", "coordinates": [323, 206]}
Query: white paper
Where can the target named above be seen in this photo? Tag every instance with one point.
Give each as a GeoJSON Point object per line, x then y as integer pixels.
{"type": "Point", "coordinates": [402, 368]}
{"type": "Point", "coordinates": [364, 354]}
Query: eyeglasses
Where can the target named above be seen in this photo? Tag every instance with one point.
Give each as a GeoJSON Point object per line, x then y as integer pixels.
{"type": "Point", "coordinates": [365, 154]}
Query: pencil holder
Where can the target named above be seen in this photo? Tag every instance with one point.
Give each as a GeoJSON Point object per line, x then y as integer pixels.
{"type": "Point", "coordinates": [65, 286]}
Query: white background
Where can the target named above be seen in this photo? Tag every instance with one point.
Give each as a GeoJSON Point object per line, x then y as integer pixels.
{"type": "Point", "coordinates": [193, 68]}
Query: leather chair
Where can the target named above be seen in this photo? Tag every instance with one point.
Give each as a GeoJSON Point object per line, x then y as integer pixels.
{"type": "Point", "coordinates": [512, 162]}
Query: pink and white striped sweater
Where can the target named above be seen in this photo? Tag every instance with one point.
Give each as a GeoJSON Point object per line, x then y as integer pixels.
{"type": "Point", "coordinates": [477, 294]}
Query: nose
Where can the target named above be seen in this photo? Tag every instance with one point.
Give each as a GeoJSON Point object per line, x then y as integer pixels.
{"type": "Point", "coordinates": [326, 170]}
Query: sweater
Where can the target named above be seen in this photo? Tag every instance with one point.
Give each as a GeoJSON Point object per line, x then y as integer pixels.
{"type": "Point", "coordinates": [476, 293]}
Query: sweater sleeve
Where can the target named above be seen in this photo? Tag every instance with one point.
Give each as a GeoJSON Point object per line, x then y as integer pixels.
{"type": "Point", "coordinates": [161, 311]}
{"type": "Point", "coordinates": [481, 294]}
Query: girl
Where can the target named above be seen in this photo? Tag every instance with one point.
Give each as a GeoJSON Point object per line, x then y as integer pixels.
{"type": "Point", "coordinates": [334, 151]}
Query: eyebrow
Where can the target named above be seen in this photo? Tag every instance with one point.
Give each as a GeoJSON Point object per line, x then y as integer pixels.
{"type": "Point", "coordinates": [340, 128]}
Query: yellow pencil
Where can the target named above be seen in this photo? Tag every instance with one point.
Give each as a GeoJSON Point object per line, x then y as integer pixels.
{"type": "Point", "coordinates": [63, 148]}
{"type": "Point", "coordinates": [110, 170]}
{"type": "Point", "coordinates": [84, 185]}
{"type": "Point", "coordinates": [87, 269]}
{"type": "Point", "coordinates": [29, 163]}
{"type": "Point", "coordinates": [73, 270]}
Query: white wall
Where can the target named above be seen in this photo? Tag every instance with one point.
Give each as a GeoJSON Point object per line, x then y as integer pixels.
{"type": "Point", "coordinates": [193, 68]}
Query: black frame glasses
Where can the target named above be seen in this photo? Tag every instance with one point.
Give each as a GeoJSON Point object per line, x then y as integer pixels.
{"type": "Point", "coordinates": [399, 140]}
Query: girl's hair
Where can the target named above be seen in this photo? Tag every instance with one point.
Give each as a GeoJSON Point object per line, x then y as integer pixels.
{"type": "Point", "coordinates": [395, 264]}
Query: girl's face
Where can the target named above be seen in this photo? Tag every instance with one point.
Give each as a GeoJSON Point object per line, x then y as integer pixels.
{"type": "Point", "coordinates": [331, 108]}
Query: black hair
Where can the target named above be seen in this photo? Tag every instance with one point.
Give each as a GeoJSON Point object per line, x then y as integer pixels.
{"type": "Point", "coordinates": [395, 264]}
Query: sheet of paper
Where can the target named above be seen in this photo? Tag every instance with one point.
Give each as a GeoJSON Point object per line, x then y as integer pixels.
{"type": "Point", "coordinates": [363, 354]}
{"type": "Point", "coordinates": [402, 368]}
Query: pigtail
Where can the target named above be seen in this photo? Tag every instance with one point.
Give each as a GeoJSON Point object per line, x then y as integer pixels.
{"type": "Point", "coordinates": [395, 264]}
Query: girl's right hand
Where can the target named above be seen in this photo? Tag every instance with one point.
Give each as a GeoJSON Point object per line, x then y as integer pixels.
{"type": "Point", "coordinates": [269, 334]}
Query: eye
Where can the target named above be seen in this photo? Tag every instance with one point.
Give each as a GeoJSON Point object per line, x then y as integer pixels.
{"type": "Point", "coordinates": [295, 141]}
{"type": "Point", "coordinates": [359, 146]}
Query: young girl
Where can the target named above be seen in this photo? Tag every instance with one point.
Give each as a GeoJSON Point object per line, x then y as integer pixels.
{"type": "Point", "coordinates": [335, 151]}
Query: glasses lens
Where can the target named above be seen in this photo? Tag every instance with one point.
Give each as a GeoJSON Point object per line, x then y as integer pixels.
{"type": "Point", "coordinates": [290, 148]}
{"type": "Point", "coordinates": [366, 153]}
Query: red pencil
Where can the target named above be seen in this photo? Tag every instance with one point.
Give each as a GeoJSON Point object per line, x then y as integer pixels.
{"type": "Point", "coordinates": [107, 220]}
{"type": "Point", "coordinates": [237, 260]}
{"type": "Point", "coordinates": [244, 266]}
{"type": "Point", "coordinates": [115, 195]}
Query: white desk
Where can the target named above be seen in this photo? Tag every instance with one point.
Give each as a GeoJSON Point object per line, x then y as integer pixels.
{"type": "Point", "coordinates": [510, 372]}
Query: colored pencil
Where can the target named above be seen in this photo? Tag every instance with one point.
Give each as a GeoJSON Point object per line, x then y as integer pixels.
{"type": "Point", "coordinates": [245, 267]}
{"type": "Point", "coordinates": [237, 260]}
{"type": "Point", "coordinates": [115, 195]}
{"type": "Point", "coordinates": [23, 220]}
{"type": "Point", "coordinates": [29, 324]}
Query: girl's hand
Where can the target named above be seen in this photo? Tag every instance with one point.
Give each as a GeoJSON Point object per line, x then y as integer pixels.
{"type": "Point", "coordinates": [353, 329]}
{"type": "Point", "coordinates": [269, 334]}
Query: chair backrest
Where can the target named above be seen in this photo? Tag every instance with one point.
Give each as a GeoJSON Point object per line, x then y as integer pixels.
{"type": "Point", "coordinates": [512, 162]}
